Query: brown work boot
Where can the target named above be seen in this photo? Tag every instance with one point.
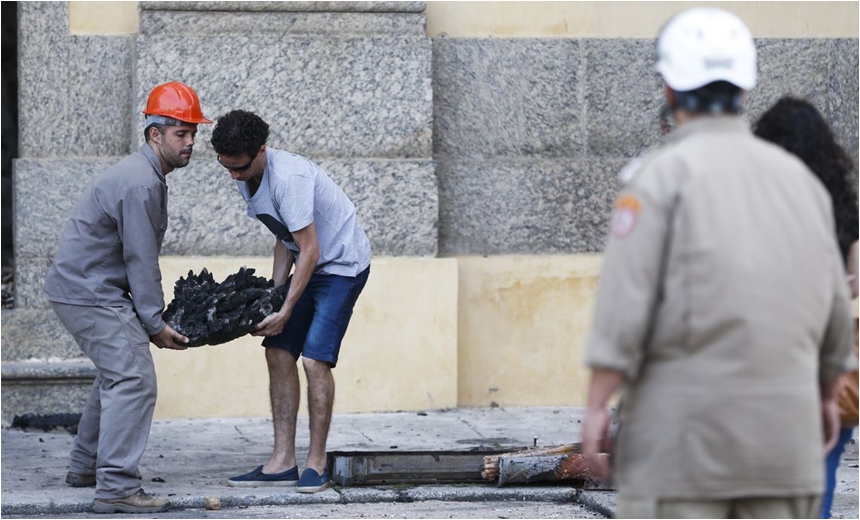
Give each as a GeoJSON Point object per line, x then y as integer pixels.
{"type": "Point", "coordinates": [139, 502]}
{"type": "Point", "coordinates": [80, 480]}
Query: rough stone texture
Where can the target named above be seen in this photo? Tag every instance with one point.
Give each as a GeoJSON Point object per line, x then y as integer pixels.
{"type": "Point", "coordinates": [211, 313]}
{"type": "Point", "coordinates": [358, 7]}
{"type": "Point", "coordinates": [99, 89]}
{"type": "Point", "coordinates": [46, 193]}
{"type": "Point", "coordinates": [796, 67]}
{"type": "Point", "coordinates": [35, 334]}
{"type": "Point", "coordinates": [29, 280]}
{"type": "Point", "coordinates": [74, 89]}
{"type": "Point", "coordinates": [623, 96]}
{"type": "Point", "coordinates": [43, 76]}
{"type": "Point", "coordinates": [350, 97]}
{"type": "Point", "coordinates": [279, 23]}
{"type": "Point", "coordinates": [525, 207]}
{"type": "Point", "coordinates": [507, 98]}
{"type": "Point", "coordinates": [614, 99]}
{"type": "Point", "coordinates": [397, 202]}
{"type": "Point", "coordinates": [842, 92]}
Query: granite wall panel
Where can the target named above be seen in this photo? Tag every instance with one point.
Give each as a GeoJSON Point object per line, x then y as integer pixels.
{"type": "Point", "coordinates": [795, 67]}
{"type": "Point", "coordinates": [43, 77]}
{"type": "Point", "coordinates": [525, 207]}
{"type": "Point", "coordinates": [74, 90]}
{"type": "Point", "coordinates": [349, 97]}
{"type": "Point", "coordinates": [507, 98]}
{"type": "Point", "coordinates": [29, 279]}
{"type": "Point", "coordinates": [397, 202]}
{"type": "Point", "coordinates": [280, 23]}
{"type": "Point", "coordinates": [623, 97]}
{"type": "Point", "coordinates": [36, 334]}
{"type": "Point", "coordinates": [843, 90]}
{"type": "Point", "coordinates": [298, 6]}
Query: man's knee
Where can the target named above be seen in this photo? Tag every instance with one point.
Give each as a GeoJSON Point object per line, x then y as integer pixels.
{"type": "Point", "coordinates": [279, 357]}
{"type": "Point", "coordinates": [315, 368]}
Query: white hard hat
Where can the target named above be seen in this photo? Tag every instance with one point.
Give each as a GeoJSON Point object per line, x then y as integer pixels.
{"type": "Point", "coordinates": [702, 45]}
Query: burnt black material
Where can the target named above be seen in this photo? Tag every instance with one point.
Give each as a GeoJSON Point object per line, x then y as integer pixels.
{"type": "Point", "coordinates": [47, 422]}
{"type": "Point", "coordinates": [210, 313]}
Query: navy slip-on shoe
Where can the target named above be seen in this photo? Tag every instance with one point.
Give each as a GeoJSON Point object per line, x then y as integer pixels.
{"type": "Point", "coordinates": [257, 478]}
{"type": "Point", "coordinates": [313, 482]}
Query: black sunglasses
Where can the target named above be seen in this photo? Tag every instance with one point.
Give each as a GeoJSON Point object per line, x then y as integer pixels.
{"type": "Point", "coordinates": [235, 168]}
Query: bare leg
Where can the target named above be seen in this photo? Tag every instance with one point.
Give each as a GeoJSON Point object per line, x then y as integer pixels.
{"type": "Point", "coordinates": [320, 403]}
{"type": "Point", "coordinates": [284, 394]}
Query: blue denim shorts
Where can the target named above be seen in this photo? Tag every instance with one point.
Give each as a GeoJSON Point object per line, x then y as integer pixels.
{"type": "Point", "coordinates": [319, 320]}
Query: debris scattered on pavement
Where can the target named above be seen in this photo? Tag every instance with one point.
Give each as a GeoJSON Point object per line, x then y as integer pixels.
{"type": "Point", "coordinates": [213, 503]}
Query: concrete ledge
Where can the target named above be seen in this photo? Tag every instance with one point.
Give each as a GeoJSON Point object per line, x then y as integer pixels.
{"type": "Point", "coordinates": [46, 371]}
{"type": "Point", "coordinates": [471, 493]}
{"type": "Point", "coordinates": [42, 388]}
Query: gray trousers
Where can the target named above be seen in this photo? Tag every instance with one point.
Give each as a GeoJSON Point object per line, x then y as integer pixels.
{"type": "Point", "coordinates": [115, 423]}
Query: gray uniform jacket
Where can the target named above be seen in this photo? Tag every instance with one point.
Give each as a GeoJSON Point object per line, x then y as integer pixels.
{"type": "Point", "coordinates": [109, 252]}
{"type": "Point", "coordinates": [723, 300]}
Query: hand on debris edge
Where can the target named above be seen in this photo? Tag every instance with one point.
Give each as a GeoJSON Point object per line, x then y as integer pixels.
{"type": "Point", "coordinates": [169, 338]}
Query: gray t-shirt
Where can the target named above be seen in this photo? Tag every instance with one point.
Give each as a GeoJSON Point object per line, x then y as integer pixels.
{"type": "Point", "coordinates": [294, 193]}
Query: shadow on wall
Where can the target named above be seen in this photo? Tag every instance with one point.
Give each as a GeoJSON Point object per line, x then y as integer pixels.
{"type": "Point", "coordinates": [10, 141]}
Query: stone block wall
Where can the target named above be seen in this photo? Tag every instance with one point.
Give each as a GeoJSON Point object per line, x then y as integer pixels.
{"type": "Point", "coordinates": [529, 134]}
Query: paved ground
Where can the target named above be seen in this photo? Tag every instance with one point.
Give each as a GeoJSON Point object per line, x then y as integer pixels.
{"type": "Point", "coordinates": [187, 460]}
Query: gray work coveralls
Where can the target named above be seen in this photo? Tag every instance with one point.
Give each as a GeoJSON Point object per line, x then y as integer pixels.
{"type": "Point", "coordinates": [105, 287]}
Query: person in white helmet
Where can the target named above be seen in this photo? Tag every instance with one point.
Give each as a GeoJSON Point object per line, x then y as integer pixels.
{"type": "Point", "coordinates": [722, 311]}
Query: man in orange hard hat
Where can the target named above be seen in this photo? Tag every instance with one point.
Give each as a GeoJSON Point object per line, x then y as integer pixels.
{"type": "Point", "coordinates": [105, 287]}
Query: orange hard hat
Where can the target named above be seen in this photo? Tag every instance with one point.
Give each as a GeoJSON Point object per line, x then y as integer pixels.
{"type": "Point", "coordinates": [176, 100]}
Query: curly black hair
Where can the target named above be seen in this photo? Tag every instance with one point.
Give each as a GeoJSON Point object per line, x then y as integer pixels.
{"type": "Point", "coordinates": [239, 132]}
{"type": "Point", "coordinates": [797, 126]}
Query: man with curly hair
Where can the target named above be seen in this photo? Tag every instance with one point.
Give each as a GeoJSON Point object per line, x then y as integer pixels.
{"type": "Point", "coordinates": [317, 231]}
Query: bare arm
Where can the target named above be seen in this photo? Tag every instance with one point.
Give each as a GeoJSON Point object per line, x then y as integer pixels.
{"type": "Point", "coordinates": [282, 264]}
{"type": "Point", "coordinates": [830, 413]}
{"type": "Point", "coordinates": [595, 429]}
{"type": "Point", "coordinates": [306, 239]}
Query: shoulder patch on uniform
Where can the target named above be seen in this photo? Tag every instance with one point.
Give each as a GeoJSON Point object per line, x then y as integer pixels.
{"type": "Point", "coordinates": [629, 170]}
{"type": "Point", "coordinates": [626, 214]}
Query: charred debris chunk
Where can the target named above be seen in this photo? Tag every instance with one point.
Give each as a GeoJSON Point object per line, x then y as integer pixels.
{"type": "Point", "coordinates": [211, 313]}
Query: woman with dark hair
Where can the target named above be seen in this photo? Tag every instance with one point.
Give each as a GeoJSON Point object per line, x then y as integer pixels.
{"type": "Point", "coordinates": [797, 126]}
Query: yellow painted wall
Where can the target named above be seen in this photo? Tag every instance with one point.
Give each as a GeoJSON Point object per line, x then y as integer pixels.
{"type": "Point", "coordinates": [632, 19]}
{"type": "Point", "coordinates": [107, 18]}
{"type": "Point", "coordinates": [562, 19]}
{"type": "Point", "coordinates": [399, 353]}
{"type": "Point", "coordinates": [427, 333]}
{"type": "Point", "coordinates": [523, 325]}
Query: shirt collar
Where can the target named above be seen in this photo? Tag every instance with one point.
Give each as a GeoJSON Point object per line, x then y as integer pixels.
{"type": "Point", "coordinates": [149, 153]}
